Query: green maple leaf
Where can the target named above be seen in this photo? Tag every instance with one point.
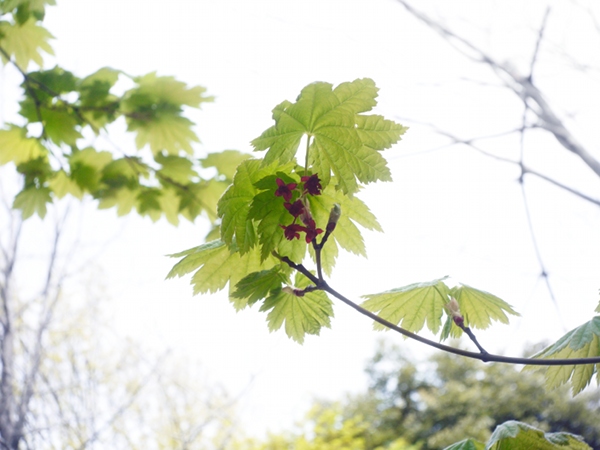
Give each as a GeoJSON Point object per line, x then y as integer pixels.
{"type": "Point", "coordinates": [176, 168]}
{"type": "Point", "coordinates": [124, 199]}
{"type": "Point", "coordinates": [123, 172]}
{"type": "Point", "coordinates": [258, 285]}
{"type": "Point", "coordinates": [347, 235]}
{"type": "Point", "coordinates": [87, 166]}
{"type": "Point", "coordinates": [331, 119]}
{"type": "Point", "coordinates": [32, 200]}
{"type": "Point", "coordinates": [226, 162]}
{"type": "Point", "coordinates": [411, 306]}
{"type": "Point", "coordinates": [234, 205]}
{"type": "Point", "coordinates": [215, 265]}
{"type": "Point", "coordinates": [153, 89]}
{"type": "Point", "coordinates": [269, 213]}
{"type": "Point", "coordinates": [302, 315]}
{"type": "Point", "coordinates": [198, 197]}
{"type": "Point", "coordinates": [148, 202]}
{"type": "Point", "coordinates": [16, 147]}
{"type": "Point", "coordinates": [153, 109]}
{"type": "Point", "coordinates": [479, 308]}
{"type": "Point", "coordinates": [61, 184]}
{"type": "Point", "coordinates": [467, 444]}
{"type": "Point", "coordinates": [25, 42]}
{"type": "Point", "coordinates": [168, 132]}
{"type": "Point", "coordinates": [581, 342]}
{"type": "Point", "coordinates": [60, 126]}
{"type": "Point", "coordinates": [513, 435]}
{"type": "Point", "coordinates": [169, 203]}
{"type": "Point", "coordinates": [98, 105]}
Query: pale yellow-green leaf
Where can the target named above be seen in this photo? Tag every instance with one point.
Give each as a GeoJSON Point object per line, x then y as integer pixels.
{"type": "Point", "coordinates": [479, 308]}
{"type": "Point", "coordinates": [26, 42]}
{"type": "Point", "coordinates": [169, 204]}
{"type": "Point", "coordinates": [169, 132]}
{"type": "Point", "coordinates": [170, 90]}
{"type": "Point", "coordinates": [16, 147]}
{"type": "Point", "coordinates": [226, 162]}
{"type": "Point", "coordinates": [31, 201]}
{"type": "Point", "coordinates": [91, 157]}
{"type": "Point", "coordinates": [411, 306]}
{"type": "Point", "coordinates": [124, 199]}
{"type": "Point", "coordinates": [216, 265]}
{"type": "Point", "coordinates": [62, 185]}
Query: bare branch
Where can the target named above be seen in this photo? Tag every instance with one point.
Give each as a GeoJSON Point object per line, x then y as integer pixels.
{"type": "Point", "coordinates": [523, 87]}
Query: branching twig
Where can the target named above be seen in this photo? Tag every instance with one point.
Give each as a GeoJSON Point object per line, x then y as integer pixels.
{"type": "Point", "coordinates": [523, 87]}
{"type": "Point", "coordinates": [482, 356]}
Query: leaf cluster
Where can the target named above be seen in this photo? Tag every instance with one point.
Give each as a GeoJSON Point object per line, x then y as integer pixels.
{"type": "Point", "coordinates": [53, 147]}
{"type": "Point", "coordinates": [254, 255]}
{"type": "Point", "coordinates": [423, 304]}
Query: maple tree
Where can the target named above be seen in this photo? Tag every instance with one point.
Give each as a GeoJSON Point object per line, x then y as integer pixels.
{"type": "Point", "coordinates": [272, 213]}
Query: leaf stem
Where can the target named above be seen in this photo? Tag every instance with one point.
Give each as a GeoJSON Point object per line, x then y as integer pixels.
{"type": "Point", "coordinates": [306, 156]}
{"type": "Point", "coordinates": [482, 356]}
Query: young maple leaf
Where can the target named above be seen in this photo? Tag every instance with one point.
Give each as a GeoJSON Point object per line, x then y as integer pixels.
{"type": "Point", "coordinates": [343, 141]}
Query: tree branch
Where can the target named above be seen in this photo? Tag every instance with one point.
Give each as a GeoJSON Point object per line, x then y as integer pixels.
{"type": "Point", "coordinates": [483, 356]}
{"type": "Point", "coordinates": [523, 87]}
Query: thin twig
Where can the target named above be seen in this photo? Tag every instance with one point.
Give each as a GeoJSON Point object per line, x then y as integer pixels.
{"type": "Point", "coordinates": [482, 356]}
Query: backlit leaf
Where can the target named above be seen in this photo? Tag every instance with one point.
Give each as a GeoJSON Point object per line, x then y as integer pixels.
{"type": "Point", "coordinates": [32, 200]}
{"type": "Point", "coordinates": [26, 42]}
{"type": "Point", "coordinates": [16, 147]}
{"type": "Point", "coordinates": [330, 117]}
{"type": "Point", "coordinates": [411, 306]}
{"type": "Point", "coordinates": [581, 342]}
{"type": "Point", "coordinates": [301, 315]}
{"type": "Point", "coordinates": [479, 308]}
{"type": "Point", "coordinates": [62, 185]}
{"type": "Point", "coordinates": [169, 132]}
{"type": "Point", "coordinates": [513, 435]}
{"type": "Point", "coordinates": [215, 265]}
{"type": "Point", "coordinates": [467, 444]}
{"type": "Point", "coordinates": [226, 162]}
{"type": "Point", "coordinates": [257, 285]}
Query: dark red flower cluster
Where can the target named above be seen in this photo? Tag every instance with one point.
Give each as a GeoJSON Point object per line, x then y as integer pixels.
{"type": "Point", "coordinates": [285, 190]}
{"type": "Point", "coordinates": [312, 184]}
{"type": "Point", "coordinates": [299, 208]}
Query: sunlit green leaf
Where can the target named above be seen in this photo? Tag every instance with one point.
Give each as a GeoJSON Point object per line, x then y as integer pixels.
{"type": "Point", "coordinates": [215, 265]}
{"type": "Point", "coordinates": [16, 147]}
{"type": "Point", "coordinates": [176, 168]}
{"type": "Point", "coordinates": [235, 203]}
{"type": "Point", "coordinates": [467, 444]}
{"type": "Point", "coordinates": [581, 342]}
{"type": "Point", "coordinates": [513, 435]}
{"type": "Point", "coordinates": [60, 126]}
{"type": "Point", "coordinates": [302, 315]}
{"type": "Point", "coordinates": [155, 89]}
{"type": "Point", "coordinates": [411, 306]}
{"type": "Point", "coordinates": [32, 200]}
{"type": "Point", "coordinates": [26, 42]}
{"type": "Point", "coordinates": [479, 308]}
{"type": "Point", "coordinates": [331, 118]}
{"type": "Point", "coordinates": [168, 132]}
{"type": "Point", "coordinates": [86, 167]}
{"type": "Point", "coordinates": [257, 285]}
{"type": "Point", "coordinates": [124, 199]}
{"type": "Point", "coordinates": [226, 162]}
{"type": "Point", "coordinates": [62, 185]}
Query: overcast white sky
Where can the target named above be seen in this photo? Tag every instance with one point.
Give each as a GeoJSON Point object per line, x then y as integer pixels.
{"type": "Point", "coordinates": [450, 211]}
